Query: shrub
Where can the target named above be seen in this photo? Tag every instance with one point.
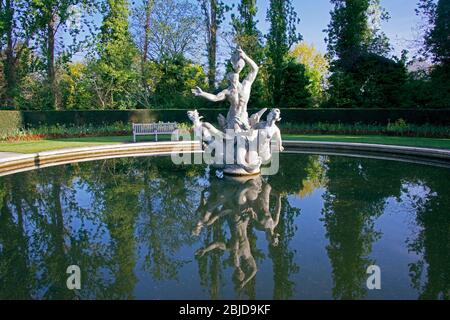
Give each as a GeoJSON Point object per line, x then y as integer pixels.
{"type": "Point", "coordinates": [10, 123]}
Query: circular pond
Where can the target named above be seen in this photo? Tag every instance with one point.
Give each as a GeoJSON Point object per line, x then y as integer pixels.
{"type": "Point", "coordinates": [145, 228]}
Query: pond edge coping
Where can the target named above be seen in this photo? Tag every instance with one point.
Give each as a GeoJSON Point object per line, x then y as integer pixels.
{"type": "Point", "coordinates": [25, 162]}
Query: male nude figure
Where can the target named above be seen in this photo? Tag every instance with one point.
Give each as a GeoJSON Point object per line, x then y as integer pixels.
{"type": "Point", "coordinates": [237, 94]}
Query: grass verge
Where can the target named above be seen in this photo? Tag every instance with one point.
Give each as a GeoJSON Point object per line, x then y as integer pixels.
{"type": "Point", "coordinates": [53, 144]}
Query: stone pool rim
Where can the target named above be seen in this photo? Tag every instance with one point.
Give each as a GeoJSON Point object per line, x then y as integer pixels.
{"type": "Point", "coordinates": [25, 162]}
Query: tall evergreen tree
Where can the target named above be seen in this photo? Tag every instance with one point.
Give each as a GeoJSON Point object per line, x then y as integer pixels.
{"type": "Point", "coordinates": [250, 39]}
{"type": "Point", "coordinates": [437, 45]}
{"type": "Point", "coordinates": [354, 30]}
{"type": "Point", "coordinates": [294, 86]}
{"type": "Point", "coordinates": [247, 35]}
{"type": "Point", "coordinates": [437, 37]}
{"type": "Point", "coordinates": [143, 16]}
{"type": "Point", "coordinates": [362, 75]}
{"type": "Point", "coordinates": [117, 52]}
{"type": "Point", "coordinates": [213, 15]}
{"type": "Point", "coordinates": [282, 35]}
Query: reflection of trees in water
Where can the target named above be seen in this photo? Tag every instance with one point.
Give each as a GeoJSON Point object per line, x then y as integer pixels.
{"type": "Point", "coordinates": [103, 215]}
{"type": "Point", "coordinates": [106, 215]}
{"type": "Point", "coordinates": [210, 267]}
{"type": "Point", "coordinates": [120, 209]}
{"type": "Point", "coordinates": [232, 212]}
{"type": "Point", "coordinates": [283, 256]}
{"type": "Point", "coordinates": [166, 217]}
{"type": "Point", "coordinates": [308, 171]}
{"type": "Point", "coordinates": [354, 201]}
{"type": "Point", "coordinates": [147, 211]}
{"type": "Point", "coordinates": [315, 175]}
{"type": "Point", "coordinates": [356, 194]}
{"type": "Point", "coordinates": [431, 274]}
{"type": "Point", "coordinates": [45, 227]}
{"type": "Point", "coordinates": [35, 207]}
{"type": "Point", "coordinates": [14, 248]}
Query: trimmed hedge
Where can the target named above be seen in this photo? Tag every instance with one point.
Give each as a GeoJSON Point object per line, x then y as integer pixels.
{"type": "Point", "coordinates": [347, 116]}
{"type": "Point", "coordinates": [10, 122]}
{"type": "Point", "coordinates": [13, 120]}
{"type": "Point", "coordinates": [34, 119]}
{"type": "Point", "coordinates": [367, 116]}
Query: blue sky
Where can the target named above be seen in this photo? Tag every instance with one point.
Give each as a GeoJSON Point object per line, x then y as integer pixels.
{"type": "Point", "coordinates": [315, 15]}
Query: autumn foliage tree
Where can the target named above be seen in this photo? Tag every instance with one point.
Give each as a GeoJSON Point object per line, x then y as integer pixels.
{"type": "Point", "coordinates": [316, 70]}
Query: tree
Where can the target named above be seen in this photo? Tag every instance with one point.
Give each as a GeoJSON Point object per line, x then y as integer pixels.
{"type": "Point", "coordinates": [246, 33]}
{"type": "Point", "coordinates": [358, 52]}
{"type": "Point", "coordinates": [250, 39]}
{"type": "Point", "coordinates": [437, 37]}
{"type": "Point", "coordinates": [316, 69]}
{"type": "Point", "coordinates": [354, 29]}
{"type": "Point", "coordinates": [115, 71]}
{"type": "Point", "coordinates": [17, 27]}
{"type": "Point", "coordinates": [53, 16]}
{"type": "Point", "coordinates": [378, 42]}
{"type": "Point", "coordinates": [75, 87]}
{"type": "Point", "coordinates": [163, 30]}
{"type": "Point", "coordinates": [213, 16]}
{"type": "Point", "coordinates": [142, 17]}
{"type": "Point", "coordinates": [437, 46]}
{"type": "Point", "coordinates": [171, 29]}
{"type": "Point", "coordinates": [282, 35]}
{"type": "Point", "coordinates": [295, 86]}
{"type": "Point", "coordinates": [178, 77]}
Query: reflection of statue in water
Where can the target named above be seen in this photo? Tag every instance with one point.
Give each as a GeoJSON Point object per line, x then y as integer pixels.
{"type": "Point", "coordinates": [263, 216]}
{"type": "Point", "coordinates": [239, 201]}
{"type": "Point", "coordinates": [247, 158]}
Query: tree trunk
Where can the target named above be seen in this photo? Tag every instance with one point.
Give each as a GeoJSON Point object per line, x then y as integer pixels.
{"type": "Point", "coordinates": [51, 72]}
{"type": "Point", "coordinates": [148, 14]}
{"type": "Point", "coordinates": [58, 260]}
{"type": "Point", "coordinates": [210, 11]}
{"type": "Point", "coordinates": [10, 77]}
{"type": "Point", "coordinates": [10, 62]}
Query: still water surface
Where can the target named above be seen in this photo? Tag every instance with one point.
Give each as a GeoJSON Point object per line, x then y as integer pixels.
{"type": "Point", "coordinates": [146, 229]}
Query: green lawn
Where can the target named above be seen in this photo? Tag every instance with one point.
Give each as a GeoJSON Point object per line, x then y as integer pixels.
{"type": "Point", "coordinates": [401, 141]}
{"type": "Point", "coordinates": [53, 144]}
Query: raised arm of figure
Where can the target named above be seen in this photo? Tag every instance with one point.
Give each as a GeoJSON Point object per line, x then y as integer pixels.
{"type": "Point", "coordinates": [216, 245]}
{"type": "Point", "coordinates": [209, 96]}
{"type": "Point", "coordinates": [253, 67]}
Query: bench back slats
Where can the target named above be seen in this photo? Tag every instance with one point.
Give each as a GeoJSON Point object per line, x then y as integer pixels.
{"type": "Point", "coordinates": [149, 128]}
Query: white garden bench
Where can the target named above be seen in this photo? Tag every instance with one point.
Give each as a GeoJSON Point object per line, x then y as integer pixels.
{"type": "Point", "coordinates": [141, 129]}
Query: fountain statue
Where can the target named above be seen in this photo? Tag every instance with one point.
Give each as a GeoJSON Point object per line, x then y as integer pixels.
{"type": "Point", "coordinates": [243, 143]}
